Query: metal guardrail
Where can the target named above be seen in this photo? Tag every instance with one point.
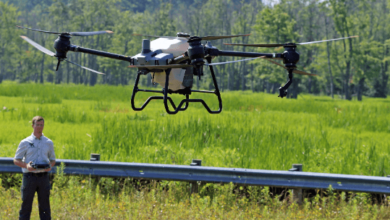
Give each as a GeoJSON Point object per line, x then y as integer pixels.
{"type": "Point", "coordinates": [288, 179]}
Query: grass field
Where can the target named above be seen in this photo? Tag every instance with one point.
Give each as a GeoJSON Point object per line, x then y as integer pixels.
{"type": "Point", "coordinates": [255, 130]}
{"type": "Point", "coordinates": [82, 198]}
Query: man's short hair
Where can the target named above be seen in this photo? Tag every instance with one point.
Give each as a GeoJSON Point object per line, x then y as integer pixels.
{"type": "Point", "coordinates": [37, 118]}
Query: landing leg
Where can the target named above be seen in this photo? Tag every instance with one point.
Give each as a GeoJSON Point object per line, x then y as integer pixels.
{"type": "Point", "coordinates": [283, 89]}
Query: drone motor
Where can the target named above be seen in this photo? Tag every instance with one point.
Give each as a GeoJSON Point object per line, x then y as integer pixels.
{"type": "Point", "coordinates": [291, 56]}
{"type": "Point", "coordinates": [196, 54]}
{"type": "Point", "coordinates": [62, 45]}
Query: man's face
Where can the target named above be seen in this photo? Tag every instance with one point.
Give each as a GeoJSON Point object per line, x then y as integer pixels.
{"type": "Point", "coordinates": [38, 127]}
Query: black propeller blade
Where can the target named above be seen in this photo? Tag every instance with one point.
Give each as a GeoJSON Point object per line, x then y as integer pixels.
{"type": "Point", "coordinates": [289, 44]}
{"type": "Point", "coordinates": [203, 38]}
{"type": "Point", "coordinates": [223, 37]}
{"type": "Point", "coordinates": [300, 72]}
{"type": "Point", "coordinates": [69, 33]}
{"type": "Point", "coordinates": [52, 54]}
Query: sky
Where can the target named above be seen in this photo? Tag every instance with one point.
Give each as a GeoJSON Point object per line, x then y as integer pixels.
{"type": "Point", "coordinates": [270, 2]}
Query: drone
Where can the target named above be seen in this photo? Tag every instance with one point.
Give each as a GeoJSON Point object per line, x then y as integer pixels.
{"type": "Point", "coordinates": [174, 61]}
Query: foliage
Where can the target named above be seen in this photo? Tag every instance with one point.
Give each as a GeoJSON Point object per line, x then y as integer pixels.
{"type": "Point", "coordinates": [112, 198]}
{"type": "Point", "coordinates": [351, 67]}
{"type": "Point", "coordinates": [254, 130]}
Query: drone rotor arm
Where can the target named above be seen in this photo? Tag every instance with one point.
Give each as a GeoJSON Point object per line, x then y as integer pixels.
{"type": "Point", "coordinates": [256, 45]}
{"type": "Point", "coordinates": [248, 54]}
{"type": "Point", "coordinates": [227, 62]}
{"type": "Point", "coordinates": [179, 59]}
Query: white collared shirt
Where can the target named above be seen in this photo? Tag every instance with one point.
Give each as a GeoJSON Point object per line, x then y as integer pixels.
{"type": "Point", "coordinates": [36, 150]}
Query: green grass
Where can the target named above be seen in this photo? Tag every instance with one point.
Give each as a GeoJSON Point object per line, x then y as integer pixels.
{"type": "Point", "coordinates": [85, 198]}
{"type": "Point", "coordinates": [255, 130]}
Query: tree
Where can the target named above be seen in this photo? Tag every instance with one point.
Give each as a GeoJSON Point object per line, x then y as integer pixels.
{"type": "Point", "coordinates": [342, 17]}
{"type": "Point", "coordinates": [273, 25]}
{"type": "Point", "coordinates": [10, 47]}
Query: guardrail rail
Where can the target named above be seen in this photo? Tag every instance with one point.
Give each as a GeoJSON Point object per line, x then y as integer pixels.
{"type": "Point", "coordinates": [288, 179]}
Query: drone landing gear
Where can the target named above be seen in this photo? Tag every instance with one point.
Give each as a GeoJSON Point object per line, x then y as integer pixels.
{"type": "Point", "coordinates": [283, 89]}
{"type": "Point", "coordinates": [185, 92]}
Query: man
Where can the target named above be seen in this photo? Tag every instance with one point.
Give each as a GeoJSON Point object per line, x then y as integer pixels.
{"type": "Point", "coordinates": [36, 149]}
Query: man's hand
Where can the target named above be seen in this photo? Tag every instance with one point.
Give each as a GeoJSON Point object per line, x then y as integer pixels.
{"type": "Point", "coordinates": [52, 164]}
{"type": "Point", "coordinates": [29, 167]}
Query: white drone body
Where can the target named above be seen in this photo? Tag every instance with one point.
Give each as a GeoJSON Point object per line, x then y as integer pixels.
{"type": "Point", "coordinates": [162, 51]}
{"type": "Point", "coordinates": [175, 46]}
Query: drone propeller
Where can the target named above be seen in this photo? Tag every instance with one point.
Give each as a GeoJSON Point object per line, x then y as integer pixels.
{"type": "Point", "coordinates": [188, 36]}
{"type": "Point", "coordinates": [39, 47]}
{"type": "Point", "coordinates": [69, 33]}
{"type": "Point", "coordinates": [170, 66]}
{"type": "Point", "coordinates": [52, 54]}
{"type": "Point", "coordinates": [227, 62]}
{"type": "Point", "coordinates": [289, 44]}
{"type": "Point", "coordinates": [300, 72]}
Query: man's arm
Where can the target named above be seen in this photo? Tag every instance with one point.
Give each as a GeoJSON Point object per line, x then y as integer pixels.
{"type": "Point", "coordinates": [52, 157]}
{"type": "Point", "coordinates": [22, 164]}
{"type": "Point", "coordinates": [52, 163]}
{"type": "Point", "coordinates": [20, 152]}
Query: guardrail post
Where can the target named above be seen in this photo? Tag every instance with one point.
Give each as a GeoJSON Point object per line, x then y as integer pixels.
{"type": "Point", "coordinates": [95, 157]}
{"type": "Point", "coordinates": [194, 184]}
{"type": "Point", "coordinates": [297, 192]}
{"type": "Point", "coordinates": [386, 196]}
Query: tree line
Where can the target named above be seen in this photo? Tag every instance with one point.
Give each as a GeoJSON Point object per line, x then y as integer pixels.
{"type": "Point", "coordinates": [346, 68]}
